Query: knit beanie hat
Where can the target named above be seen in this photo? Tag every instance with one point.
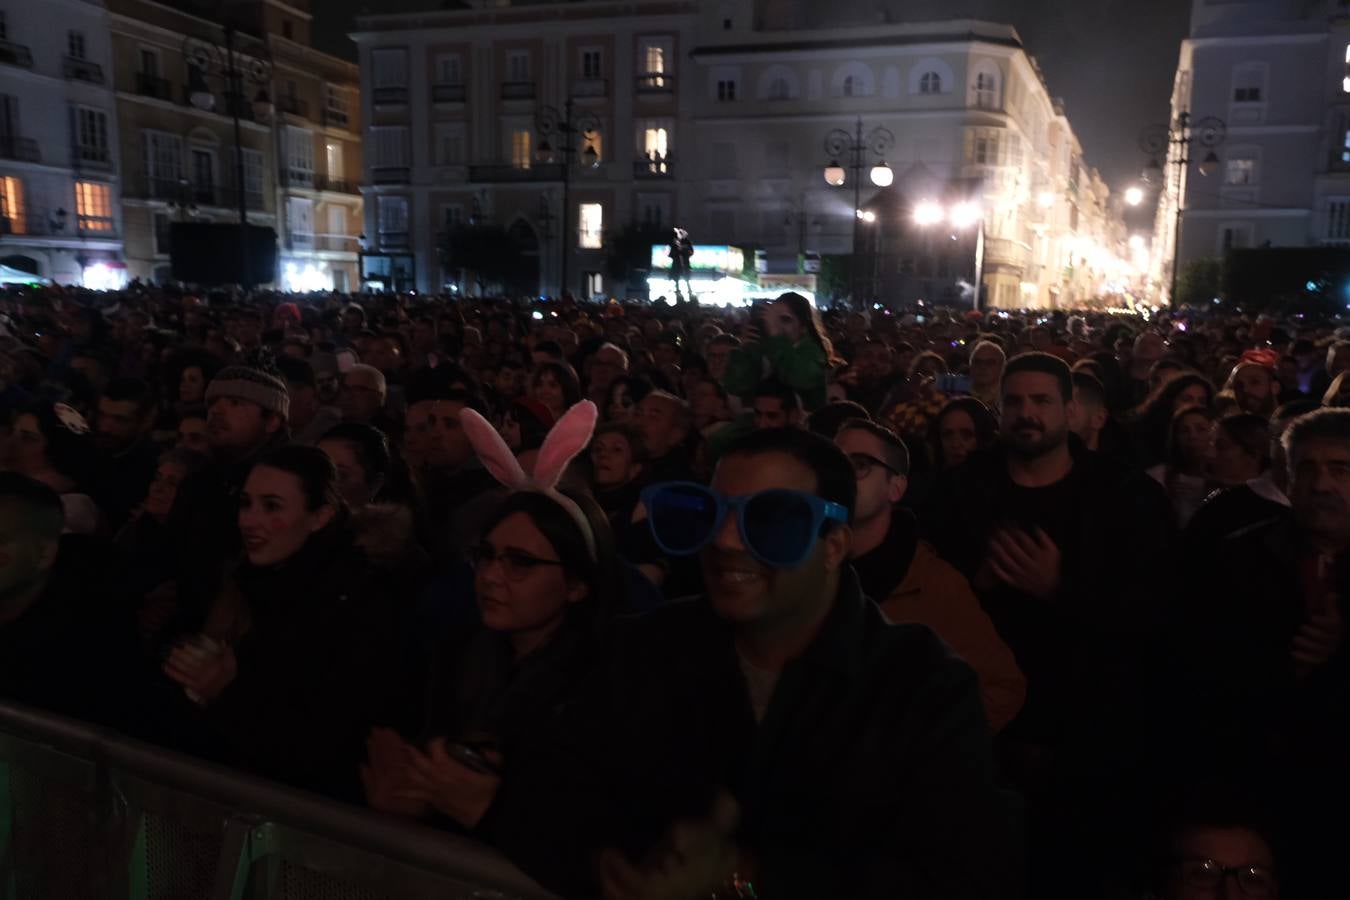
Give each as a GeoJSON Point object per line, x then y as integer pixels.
{"type": "Point", "coordinates": [256, 381]}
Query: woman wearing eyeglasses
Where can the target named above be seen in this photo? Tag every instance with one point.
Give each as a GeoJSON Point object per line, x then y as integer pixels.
{"type": "Point", "coordinates": [499, 712]}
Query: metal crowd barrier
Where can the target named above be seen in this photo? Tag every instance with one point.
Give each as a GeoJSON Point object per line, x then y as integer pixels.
{"type": "Point", "coordinates": [87, 814]}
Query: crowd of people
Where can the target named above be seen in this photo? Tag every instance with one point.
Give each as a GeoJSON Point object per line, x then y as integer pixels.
{"type": "Point", "coordinates": [678, 602]}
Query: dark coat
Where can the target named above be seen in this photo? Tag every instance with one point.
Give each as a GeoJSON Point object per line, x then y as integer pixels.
{"type": "Point", "coordinates": [74, 650]}
{"type": "Point", "coordinates": [870, 775]}
{"type": "Point", "coordinates": [1081, 650]}
{"type": "Point", "coordinates": [318, 666]}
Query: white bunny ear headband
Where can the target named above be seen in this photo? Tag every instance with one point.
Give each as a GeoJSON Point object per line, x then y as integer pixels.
{"type": "Point", "coordinates": [566, 439]}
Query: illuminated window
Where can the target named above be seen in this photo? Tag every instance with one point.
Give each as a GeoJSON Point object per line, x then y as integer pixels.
{"type": "Point", "coordinates": [93, 206]}
{"type": "Point", "coordinates": [11, 205]}
{"type": "Point", "coordinates": [656, 142]}
{"type": "Point", "coordinates": [522, 148]}
{"type": "Point", "coordinates": [593, 140]}
{"type": "Point", "coordinates": [590, 226]}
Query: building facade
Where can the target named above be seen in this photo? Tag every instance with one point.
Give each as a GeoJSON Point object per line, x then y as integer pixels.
{"type": "Point", "coordinates": [59, 152]}
{"type": "Point", "coordinates": [712, 116]}
{"type": "Point", "coordinates": [1277, 76]}
{"type": "Point", "coordinates": [977, 147]}
{"type": "Point", "coordinates": [459, 105]}
{"type": "Point", "coordinates": [293, 153]}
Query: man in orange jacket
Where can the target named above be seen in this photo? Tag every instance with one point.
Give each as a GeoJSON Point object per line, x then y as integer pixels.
{"type": "Point", "coordinates": [909, 581]}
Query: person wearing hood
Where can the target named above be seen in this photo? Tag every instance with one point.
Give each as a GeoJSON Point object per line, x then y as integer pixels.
{"type": "Point", "coordinates": [907, 579]}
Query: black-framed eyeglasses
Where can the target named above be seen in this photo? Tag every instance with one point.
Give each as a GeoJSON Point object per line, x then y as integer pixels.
{"type": "Point", "coordinates": [864, 463]}
{"type": "Point", "coordinates": [1209, 875]}
{"type": "Point", "coordinates": [516, 564]}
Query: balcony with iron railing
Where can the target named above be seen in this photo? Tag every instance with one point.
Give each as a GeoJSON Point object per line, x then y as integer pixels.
{"type": "Point", "coordinates": [334, 118]}
{"type": "Point", "coordinates": [393, 240]}
{"type": "Point", "coordinates": [304, 241]}
{"type": "Point", "coordinates": [590, 87]}
{"type": "Point", "coordinates": [183, 192]}
{"type": "Point", "coordinates": [517, 90]}
{"type": "Point", "coordinates": [335, 185]}
{"type": "Point", "coordinates": [389, 95]}
{"type": "Point", "coordinates": [12, 54]}
{"type": "Point", "coordinates": [19, 149]}
{"type": "Point", "coordinates": [655, 83]}
{"type": "Point", "coordinates": [506, 172]}
{"type": "Point", "coordinates": [296, 178]}
{"type": "Point", "coordinates": [654, 165]}
{"type": "Point", "coordinates": [148, 85]}
{"type": "Point", "coordinates": [87, 158]}
{"type": "Point", "coordinates": [447, 93]}
{"type": "Point", "coordinates": [82, 70]}
{"type": "Point", "coordinates": [390, 174]}
{"type": "Point", "coordinates": [293, 106]}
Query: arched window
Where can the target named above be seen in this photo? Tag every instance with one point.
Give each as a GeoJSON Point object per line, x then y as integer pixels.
{"type": "Point", "coordinates": [931, 75]}
{"type": "Point", "coordinates": [777, 83]}
{"type": "Point", "coordinates": [853, 79]}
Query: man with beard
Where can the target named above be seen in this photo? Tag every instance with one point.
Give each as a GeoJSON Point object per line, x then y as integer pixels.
{"type": "Point", "coordinates": [126, 414]}
{"type": "Point", "coordinates": [1254, 384]}
{"type": "Point", "coordinates": [1264, 644]}
{"type": "Point", "coordinates": [1064, 549]}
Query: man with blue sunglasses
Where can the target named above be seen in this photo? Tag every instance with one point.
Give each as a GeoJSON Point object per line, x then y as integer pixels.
{"type": "Point", "coordinates": [779, 731]}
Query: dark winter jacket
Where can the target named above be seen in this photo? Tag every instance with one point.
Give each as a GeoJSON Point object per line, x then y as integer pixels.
{"type": "Point", "coordinates": [1081, 649]}
{"type": "Point", "coordinates": [319, 663]}
{"type": "Point", "coordinates": [869, 776]}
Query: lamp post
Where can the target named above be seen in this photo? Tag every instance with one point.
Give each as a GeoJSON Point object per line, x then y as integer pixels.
{"type": "Point", "coordinates": [854, 147]}
{"type": "Point", "coordinates": [566, 126]}
{"type": "Point", "coordinates": [207, 58]}
{"type": "Point", "coordinates": [1176, 140]}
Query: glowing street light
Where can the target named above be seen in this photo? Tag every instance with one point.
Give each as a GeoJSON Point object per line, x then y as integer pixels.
{"type": "Point", "coordinates": [882, 174]}
{"type": "Point", "coordinates": [867, 216]}
{"type": "Point", "coordinates": [1045, 199]}
{"type": "Point", "coordinates": [1134, 195]}
{"type": "Point", "coordinates": [965, 214]}
{"type": "Point", "coordinates": [929, 212]}
{"type": "Point", "coordinates": [834, 174]}
{"type": "Point", "coordinates": [1137, 242]}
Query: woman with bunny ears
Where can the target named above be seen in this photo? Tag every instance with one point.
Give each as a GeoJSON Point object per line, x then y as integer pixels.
{"type": "Point", "coordinates": [547, 581]}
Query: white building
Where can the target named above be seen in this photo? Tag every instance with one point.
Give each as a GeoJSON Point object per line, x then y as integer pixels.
{"type": "Point", "coordinates": [59, 216]}
{"type": "Point", "coordinates": [712, 116]}
{"type": "Point", "coordinates": [1277, 73]}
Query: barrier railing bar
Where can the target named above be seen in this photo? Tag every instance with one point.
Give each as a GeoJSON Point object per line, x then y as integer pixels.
{"type": "Point", "coordinates": [438, 853]}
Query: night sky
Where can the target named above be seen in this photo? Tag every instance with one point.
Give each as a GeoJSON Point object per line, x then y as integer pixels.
{"type": "Point", "coordinates": [1111, 61]}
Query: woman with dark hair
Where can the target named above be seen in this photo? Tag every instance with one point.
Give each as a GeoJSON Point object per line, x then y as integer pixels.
{"type": "Point", "coordinates": [298, 657]}
{"type": "Point", "coordinates": [51, 443]}
{"type": "Point", "coordinates": [963, 426]}
{"type": "Point", "coordinates": [368, 471]}
{"type": "Point", "coordinates": [1152, 420]}
{"type": "Point", "coordinates": [499, 713]}
{"type": "Point", "coordinates": [786, 343]}
{"type": "Point", "coordinates": [555, 385]}
{"type": "Point", "coordinates": [1190, 453]}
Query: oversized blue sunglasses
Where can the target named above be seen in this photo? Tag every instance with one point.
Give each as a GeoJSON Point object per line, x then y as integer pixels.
{"type": "Point", "coordinates": [779, 527]}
